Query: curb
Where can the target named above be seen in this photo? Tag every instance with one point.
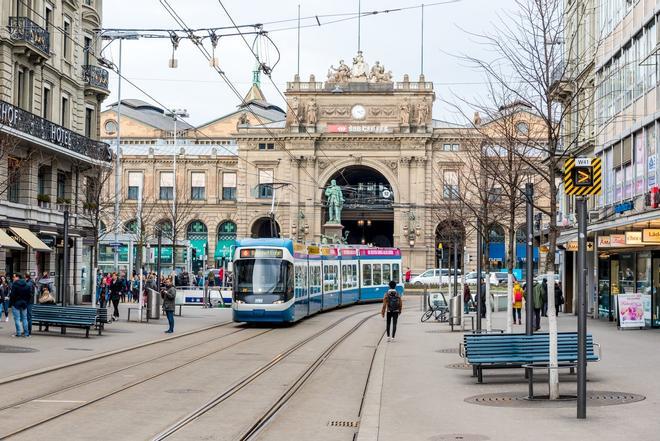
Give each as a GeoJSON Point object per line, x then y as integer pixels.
{"type": "Point", "coordinates": [368, 429]}
{"type": "Point", "coordinates": [104, 355]}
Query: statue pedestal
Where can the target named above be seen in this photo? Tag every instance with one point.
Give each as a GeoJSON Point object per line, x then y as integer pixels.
{"type": "Point", "coordinates": [404, 128]}
{"type": "Point", "coordinates": [311, 127]}
{"type": "Point", "coordinates": [333, 230]}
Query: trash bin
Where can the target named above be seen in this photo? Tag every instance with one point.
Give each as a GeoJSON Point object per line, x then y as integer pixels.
{"type": "Point", "coordinates": [153, 304]}
{"type": "Point", "coordinates": [455, 311]}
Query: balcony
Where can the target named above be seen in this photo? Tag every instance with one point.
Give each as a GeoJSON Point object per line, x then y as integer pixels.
{"type": "Point", "coordinates": [34, 39]}
{"type": "Point", "coordinates": [562, 86]}
{"type": "Point", "coordinates": [34, 129]}
{"type": "Point", "coordinates": [96, 79]}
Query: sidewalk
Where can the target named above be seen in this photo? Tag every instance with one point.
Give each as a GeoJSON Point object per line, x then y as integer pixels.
{"type": "Point", "coordinates": [413, 395]}
{"type": "Point", "coordinates": [20, 355]}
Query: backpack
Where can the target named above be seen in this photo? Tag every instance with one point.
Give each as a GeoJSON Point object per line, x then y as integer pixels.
{"type": "Point", "coordinates": [518, 295]}
{"type": "Point", "coordinates": [393, 301]}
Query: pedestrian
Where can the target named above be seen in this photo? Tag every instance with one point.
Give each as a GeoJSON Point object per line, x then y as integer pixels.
{"type": "Point", "coordinates": [559, 297]}
{"type": "Point", "coordinates": [4, 297]}
{"type": "Point", "coordinates": [408, 275]}
{"type": "Point", "coordinates": [103, 293]}
{"type": "Point", "coordinates": [392, 305]}
{"type": "Point", "coordinates": [537, 302]}
{"type": "Point", "coordinates": [517, 302]}
{"type": "Point", "coordinates": [45, 281]}
{"type": "Point", "coordinates": [544, 284]}
{"type": "Point", "coordinates": [33, 293]}
{"type": "Point", "coordinates": [116, 287]}
{"type": "Point", "coordinates": [168, 294]}
{"type": "Point", "coordinates": [19, 299]}
{"type": "Point", "coordinates": [135, 288]}
{"type": "Point", "coordinates": [221, 277]}
{"type": "Point", "coordinates": [482, 298]}
{"type": "Point", "coordinates": [467, 298]}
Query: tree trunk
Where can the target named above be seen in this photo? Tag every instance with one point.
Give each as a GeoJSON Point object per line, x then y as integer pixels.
{"type": "Point", "coordinates": [509, 264]}
{"type": "Point", "coordinates": [553, 379]}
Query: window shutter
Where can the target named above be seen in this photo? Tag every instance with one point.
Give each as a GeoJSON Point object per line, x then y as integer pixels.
{"type": "Point", "coordinates": [134, 179]}
{"type": "Point", "coordinates": [229, 180]}
{"type": "Point", "coordinates": [616, 155]}
{"type": "Point", "coordinates": [627, 150]}
{"type": "Point", "coordinates": [167, 179]}
{"type": "Point", "coordinates": [198, 179]}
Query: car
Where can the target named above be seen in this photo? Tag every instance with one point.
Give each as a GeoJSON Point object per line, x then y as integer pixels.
{"type": "Point", "coordinates": [500, 279]}
{"type": "Point", "coordinates": [433, 276]}
{"type": "Point", "coordinates": [471, 277]}
{"type": "Point", "coordinates": [540, 277]}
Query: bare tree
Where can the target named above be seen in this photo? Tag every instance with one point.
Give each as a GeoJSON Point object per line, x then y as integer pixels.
{"type": "Point", "coordinates": [179, 213]}
{"type": "Point", "coordinates": [528, 48]}
{"type": "Point", "coordinates": [142, 214]}
{"type": "Point", "coordinates": [14, 159]}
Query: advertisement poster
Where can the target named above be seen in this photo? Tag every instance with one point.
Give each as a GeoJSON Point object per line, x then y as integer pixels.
{"type": "Point", "coordinates": [631, 311]}
{"type": "Point", "coordinates": [646, 301]}
{"type": "Point", "coordinates": [650, 171]}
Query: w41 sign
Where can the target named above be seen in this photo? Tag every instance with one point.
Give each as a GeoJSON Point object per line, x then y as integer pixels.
{"type": "Point", "coordinates": [582, 176]}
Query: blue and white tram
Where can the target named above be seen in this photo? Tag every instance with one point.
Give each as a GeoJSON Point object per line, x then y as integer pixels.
{"type": "Point", "coordinates": [277, 280]}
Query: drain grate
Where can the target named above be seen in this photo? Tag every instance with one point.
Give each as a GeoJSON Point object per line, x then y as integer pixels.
{"type": "Point", "coordinates": [459, 437]}
{"type": "Point", "coordinates": [448, 351]}
{"type": "Point", "coordinates": [594, 399]}
{"type": "Point", "coordinates": [459, 366]}
{"type": "Point", "coordinates": [6, 349]}
{"type": "Point", "coordinates": [343, 423]}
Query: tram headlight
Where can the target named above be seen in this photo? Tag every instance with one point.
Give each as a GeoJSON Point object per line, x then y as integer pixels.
{"type": "Point", "coordinates": [278, 302]}
{"type": "Point", "coordinates": [239, 301]}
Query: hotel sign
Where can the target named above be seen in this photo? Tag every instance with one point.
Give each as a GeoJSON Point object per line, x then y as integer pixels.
{"type": "Point", "coordinates": [33, 125]}
{"type": "Point", "coordinates": [357, 128]}
{"type": "Point", "coordinates": [651, 235]}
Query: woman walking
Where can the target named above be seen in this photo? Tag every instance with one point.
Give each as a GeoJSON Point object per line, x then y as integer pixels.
{"type": "Point", "coordinates": [392, 305]}
{"type": "Point", "coordinates": [517, 302]}
{"type": "Point", "coordinates": [4, 297]}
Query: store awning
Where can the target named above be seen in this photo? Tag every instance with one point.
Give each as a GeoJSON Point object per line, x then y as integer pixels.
{"type": "Point", "coordinates": [200, 246]}
{"type": "Point", "coordinates": [223, 249]}
{"type": "Point", "coordinates": [30, 239]}
{"type": "Point", "coordinates": [7, 242]}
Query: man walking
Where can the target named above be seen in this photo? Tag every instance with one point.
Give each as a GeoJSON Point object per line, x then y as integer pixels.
{"type": "Point", "coordinates": [19, 299]}
{"type": "Point", "coordinates": [392, 305]}
{"type": "Point", "coordinates": [537, 301]}
{"type": "Point", "coordinates": [169, 296]}
{"type": "Point", "coordinates": [33, 291]}
{"type": "Point", "coordinates": [116, 289]}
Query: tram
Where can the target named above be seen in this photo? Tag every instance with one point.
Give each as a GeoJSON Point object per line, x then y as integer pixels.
{"type": "Point", "coordinates": [278, 280]}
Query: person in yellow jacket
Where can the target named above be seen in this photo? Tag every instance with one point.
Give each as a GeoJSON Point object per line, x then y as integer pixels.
{"type": "Point", "coordinates": [518, 295]}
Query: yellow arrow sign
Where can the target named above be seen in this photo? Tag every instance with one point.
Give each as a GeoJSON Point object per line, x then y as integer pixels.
{"type": "Point", "coordinates": [583, 177]}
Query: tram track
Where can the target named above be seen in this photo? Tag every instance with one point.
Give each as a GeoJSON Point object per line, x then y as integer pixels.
{"type": "Point", "coordinates": [124, 387]}
{"type": "Point", "coordinates": [249, 379]}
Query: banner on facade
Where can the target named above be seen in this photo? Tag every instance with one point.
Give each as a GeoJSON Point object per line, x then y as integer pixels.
{"type": "Point", "coordinates": [631, 310]}
{"type": "Point", "coordinates": [633, 237]}
{"type": "Point", "coordinates": [651, 235]}
{"type": "Point", "coordinates": [604, 242]}
{"type": "Point", "coordinates": [617, 240]}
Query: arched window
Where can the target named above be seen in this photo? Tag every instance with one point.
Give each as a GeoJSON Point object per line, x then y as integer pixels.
{"type": "Point", "coordinates": [227, 231]}
{"type": "Point", "coordinates": [164, 226]}
{"type": "Point", "coordinates": [226, 240]}
{"type": "Point", "coordinates": [197, 231]}
{"type": "Point", "coordinates": [496, 250]}
{"type": "Point", "coordinates": [131, 226]}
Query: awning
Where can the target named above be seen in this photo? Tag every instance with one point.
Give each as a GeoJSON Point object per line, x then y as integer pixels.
{"type": "Point", "coordinates": [30, 239]}
{"type": "Point", "coordinates": [7, 242]}
{"type": "Point", "coordinates": [200, 246]}
{"type": "Point", "coordinates": [223, 249]}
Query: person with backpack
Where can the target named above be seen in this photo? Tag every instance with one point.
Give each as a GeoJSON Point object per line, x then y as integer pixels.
{"type": "Point", "coordinates": [517, 302]}
{"type": "Point", "coordinates": [392, 305]}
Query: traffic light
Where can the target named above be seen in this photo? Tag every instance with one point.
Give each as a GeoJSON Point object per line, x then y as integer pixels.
{"type": "Point", "coordinates": [194, 253]}
{"type": "Point", "coordinates": [537, 222]}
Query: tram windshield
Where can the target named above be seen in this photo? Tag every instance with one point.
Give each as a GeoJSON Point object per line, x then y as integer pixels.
{"type": "Point", "coordinates": [268, 279]}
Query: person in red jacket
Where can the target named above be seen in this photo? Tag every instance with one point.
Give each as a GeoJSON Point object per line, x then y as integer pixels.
{"type": "Point", "coordinates": [408, 275]}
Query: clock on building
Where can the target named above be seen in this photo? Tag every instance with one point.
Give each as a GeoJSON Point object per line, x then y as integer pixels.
{"type": "Point", "coordinates": [358, 112]}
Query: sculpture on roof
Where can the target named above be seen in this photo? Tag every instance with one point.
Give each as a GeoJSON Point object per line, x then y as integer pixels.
{"type": "Point", "coordinates": [360, 67]}
{"type": "Point", "coordinates": [340, 74]}
{"type": "Point", "coordinates": [378, 74]}
{"type": "Point", "coordinates": [312, 112]}
{"type": "Point", "coordinates": [422, 112]}
{"type": "Point", "coordinates": [404, 112]}
{"type": "Point", "coordinates": [243, 119]}
{"type": "Point", "coordinates": [359, 72]}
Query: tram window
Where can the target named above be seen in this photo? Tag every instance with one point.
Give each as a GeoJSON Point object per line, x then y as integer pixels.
{"type": "Point", "coordinates": [377, 274]}
{"type": "Point", "coordinates": [354, 277]}
{"type": "Point", "coordinates": [387, 276]}
{"type": "Point", "coordinates": [395, 273]}
{"type": "Point", "coordinates": [366, 275]}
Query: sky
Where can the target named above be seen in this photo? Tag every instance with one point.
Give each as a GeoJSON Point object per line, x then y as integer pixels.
{"type": "Point", "coordinates": [394, 39]}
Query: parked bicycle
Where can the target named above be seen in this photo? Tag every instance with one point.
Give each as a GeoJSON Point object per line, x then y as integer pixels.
{"type": "Point", "coordinates": [436, 307]}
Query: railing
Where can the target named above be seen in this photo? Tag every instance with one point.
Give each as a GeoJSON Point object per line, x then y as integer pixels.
{"type": "Point", "coordinates": [95, 76]}
{"type": "Point", "coordinates": [299, 85]}
{"type": "Point", "coordinates": [24, 29]}
{"type": "Point", "coordinates": [38, 127]}
{"type": "Point", "coordinates": [407, 85]}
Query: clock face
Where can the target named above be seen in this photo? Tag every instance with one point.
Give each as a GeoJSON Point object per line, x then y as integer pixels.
{"type": "Point", "coordinates": [358, 112]}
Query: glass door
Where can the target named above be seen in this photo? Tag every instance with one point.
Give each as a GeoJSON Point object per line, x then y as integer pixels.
{"type": "Point", "coordinates": [604, 288]}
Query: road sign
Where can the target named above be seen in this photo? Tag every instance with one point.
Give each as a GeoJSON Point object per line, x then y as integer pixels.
{"type": "Point", "coordinates": [582, 176]}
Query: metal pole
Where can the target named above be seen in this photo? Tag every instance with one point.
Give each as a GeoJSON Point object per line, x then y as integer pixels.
{"type": "Point", "coordinates": [298, 68]}
{"type": "Point", "coordinates": [160, 243]}
{"type": "Point", "coordinates": [421, 68]}
{"type": "Point", "coordinates": [479, 277]}
{"type": "Point", "coordinates": [65, 258]}
{"type": "Point", "coordinates": [174, 171]}
{"type": "Point", "coordinates": [529, 263]}
{"type": "Point", "coordinates": [455, 269]}
{"type": "Point", "coordinates": [359, 21]}
{"type": "Point", "coordinates": [581, 203]}
{"type": "Point", "coordinates": [117, 161]}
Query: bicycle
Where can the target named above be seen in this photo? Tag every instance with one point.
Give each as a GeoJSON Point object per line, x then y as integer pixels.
{"type": "Point", "coordinates": [438, 310]}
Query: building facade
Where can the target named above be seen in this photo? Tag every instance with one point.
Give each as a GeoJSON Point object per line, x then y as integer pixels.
{"type": "Point", "coordinates": [376, 138]}
{"type": "Point", "coordinates": [51, 90]}
{"type": "Point", "coordinates": [624, 256]}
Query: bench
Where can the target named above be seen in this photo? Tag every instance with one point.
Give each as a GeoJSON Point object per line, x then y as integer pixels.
{"type": "Point", "coordinates": [101, 318]}
{"type": "Point", "coordinates": [493, 351]}
{"type": "Point", "coordinates": [65, 317]}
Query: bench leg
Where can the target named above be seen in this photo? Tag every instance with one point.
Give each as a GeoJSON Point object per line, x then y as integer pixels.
{"type": "Point", "coordinates": [87, 332]}
{"type": "Point", "coordinates": [63, 329]}
{"type": "Point", "coordinates": [474, 371]}
{"type": "Point", "coordinates": [530, 375]}
{"type": "Point", "coordinates": [480, 375]}
{"type": "Point", "coordinates": [572, 371]}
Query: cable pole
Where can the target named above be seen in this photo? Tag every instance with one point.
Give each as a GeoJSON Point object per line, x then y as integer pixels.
{"type": "Point", "coordinates": [359, 22]}
{"type": "Point", "coordinates": [118, 164]}
{"type": "Point", "coordinates": [298, 68]}
{"type": "Point", "coordinates": [421, 68]}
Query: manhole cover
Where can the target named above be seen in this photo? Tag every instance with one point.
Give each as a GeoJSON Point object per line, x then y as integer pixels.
{"type": "Point", "coordinates": [459, 366]}
{"type": "Point", "coordinates": [183, 391]}
{"type": "Point", "coordinates": [78, 349]}
{"type": "Point", "coordinates": [15, 349]}
{"type": "Point", "coordinates": [448, 351]}
{"type": "Point", "coordinates": [339, 423]}
{"type": "Point", "coordinates": [594, 398]}
{"type": "Point", "coordinates": [459, 437]}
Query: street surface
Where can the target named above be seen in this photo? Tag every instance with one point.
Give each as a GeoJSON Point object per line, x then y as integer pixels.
{"type": "Point", "coordinates": [307, 381]}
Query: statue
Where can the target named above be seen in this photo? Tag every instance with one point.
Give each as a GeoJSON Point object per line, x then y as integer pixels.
{"type": "Point", "coordinates": [243, 119]}
{"type": "Point", "coordinates": [378, 74]}
{"type": "Point", "coordinates": [404, 112]}
{"type": "Point", "coordinates": [335, 202]}
{"type": "Point", "coordinates": [422, 112]}
{"type": "Point", "coordinates": [294, 113]}
{"type": "Point", "coordinates": [312, 112]}
{"type": "Point", "coordinates": [360, 68]}
{"type": "Point", "coordinates": [340, 74]}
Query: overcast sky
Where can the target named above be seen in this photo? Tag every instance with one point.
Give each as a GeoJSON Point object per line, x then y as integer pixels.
{"type": "Point", "coordinates": [393, 39]}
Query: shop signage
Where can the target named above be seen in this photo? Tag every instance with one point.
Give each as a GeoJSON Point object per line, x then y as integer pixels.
{"type": "Point", "coordinates": [631, 310]}
{"type": "Point", "coordinates": [633, 237]}
{"type": "Point", "coordinates": [623, 207]}
{"type": "Point", "coordinates": [651, 164]}
{"type": "Point", "coordinates": [352, 128]}
{"type": "Point", "coordinates": [651, 235]}
{"type": "Point", "coordinates": [573, 246]}
{"type": "Point", "coordinates": [617, 240]}
{"type": "Point", "coordinates": [604, 242]}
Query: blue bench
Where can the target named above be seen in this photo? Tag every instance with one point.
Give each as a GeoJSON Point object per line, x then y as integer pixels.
{"type": "Point", "coordinates": [65, 317]}
{"type": "Point", "coordinates": [493, 351]}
